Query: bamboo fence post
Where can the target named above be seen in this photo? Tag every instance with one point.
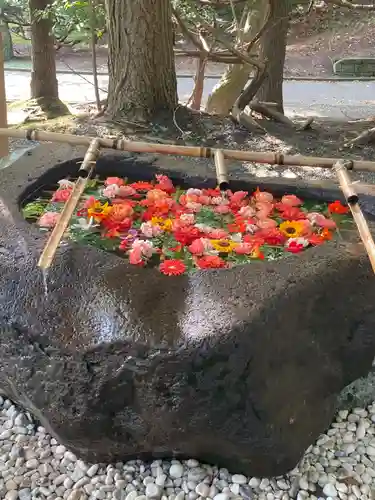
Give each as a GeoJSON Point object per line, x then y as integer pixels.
{"type": "Point", "coordinates": [276, 159]}
{"type": "Point", "coordinates": [221, 170]}
{"type": "Point", "coordinates": [360, 220]}
{"type": "Point", "coordinates": [85, 173]}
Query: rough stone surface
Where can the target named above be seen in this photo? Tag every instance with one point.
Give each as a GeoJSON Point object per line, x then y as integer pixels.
{"type": "Point", "coordinates": [238, 367]}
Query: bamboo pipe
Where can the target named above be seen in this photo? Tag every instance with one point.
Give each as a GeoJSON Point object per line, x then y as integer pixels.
{"type": "Point", "coordinates": [221, 171]}
{"type": "Point", "coordinates": [85, 173]}
{"type": "Point", "coordinates": [198, 152]}
{"type": "Point", "coordinates": [352, 199]}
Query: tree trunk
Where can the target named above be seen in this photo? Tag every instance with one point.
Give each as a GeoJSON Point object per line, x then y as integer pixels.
{"type": "Point", "coordinates": [7, 43]}
{"type": "Point", "coordinates": [272, 50]}
{"type": "Point", "coordinates": [233, 81]}
{"type": "Point", "coordinates": [43, 74]}
{"type": "Point", "coordinates": [44, 86]}
{"type": "Point", "coordinates": [142, 76]}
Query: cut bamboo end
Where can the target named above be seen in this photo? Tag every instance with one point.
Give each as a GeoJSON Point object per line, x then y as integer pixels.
{"type": "Point", "coordinates": [352, 198]}
{"type": "Point", "coordinates": [85, 172]}
{"type": "Point", "coordinates": [221, 170]}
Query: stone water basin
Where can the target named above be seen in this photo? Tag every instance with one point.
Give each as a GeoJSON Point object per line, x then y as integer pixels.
{"type": "Point", "coordinates": [239, 367]}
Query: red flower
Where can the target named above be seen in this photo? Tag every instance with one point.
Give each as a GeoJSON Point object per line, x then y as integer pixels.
{"type": "Point", "coordinates": [186, 235]}
{"type": "Point", "coordinates": [211, 192]}
{"type": "Point", "coordinates": [172, 267]}
{"type": "Point", "coordinates": [254, 239]}
{"type": "Point", "coordinates": [290, 213]}
{"type": "Point", "coordinates": [142, 186]}
{"type": "Point", "coordinates": [113, 180]}
{"type": "Point", "coordinates": [271, 236]}
{"type": "Point", "coordinates": [210, 262]}
{"type": "Point", "coordinates": [337, 208]}
{"type": "Point", "coordinates": [295, 247]}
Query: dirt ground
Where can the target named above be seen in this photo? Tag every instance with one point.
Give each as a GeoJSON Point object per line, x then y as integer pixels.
{"type": "Point", "coordinates": [315, 42]}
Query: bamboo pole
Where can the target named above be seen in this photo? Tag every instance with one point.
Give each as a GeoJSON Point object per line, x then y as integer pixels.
{"type": "Point", "coordinates": [85, 173]}
{"type": "Point", "coordinates": [198, 152]}
{"type": "Point", "coordinates": [360, 220]}
{"type": "Point", "coordinates": [221, 170]}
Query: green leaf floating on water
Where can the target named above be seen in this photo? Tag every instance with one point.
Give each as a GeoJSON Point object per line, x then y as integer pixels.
{"type": "Point", "coordinates": [35, 209]}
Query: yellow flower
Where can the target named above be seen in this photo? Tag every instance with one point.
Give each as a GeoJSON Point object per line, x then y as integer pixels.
{"type": "Point", "coordinates": [164, 224]}
{"type": "Point", "coordinates": [99, 211]}
{"type": "Point", "coordinates": [292, 229]}
{"type": "Point", "coordinates": [223, 246]}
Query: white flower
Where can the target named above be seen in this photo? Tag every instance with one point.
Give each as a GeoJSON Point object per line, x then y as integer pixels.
{"type": "Point", "coordinates": [236, 237]}
{"type": "Point", "coordinates": [65, 184]}
{"type": "Point", "coordinates": [84, 224]}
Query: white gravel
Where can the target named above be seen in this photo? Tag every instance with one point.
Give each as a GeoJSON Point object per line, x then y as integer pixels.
{"type": "Point", "coordinates": [34, 466]}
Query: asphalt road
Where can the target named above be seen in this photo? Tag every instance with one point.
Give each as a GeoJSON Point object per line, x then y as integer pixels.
{"type": "Point", "coordinates": [346, 99]}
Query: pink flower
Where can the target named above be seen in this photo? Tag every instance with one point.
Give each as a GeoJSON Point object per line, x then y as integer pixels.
{"type": "Point", "coordinates": [247, 211]}
{"type": "Point", "coordinates": [49, 219]}
{"type": "Point", "coordinates": [200, 246]}
{"type": "Point", "coordinates": [126, 191]}
{"type": "Point", "coordinates": [238, 196]}
{"type": "Point", "coordinates": [135, 257]}
{"type": "Point", "coordinates": [195, 207]}
{"type": "Point", "coordinates": [244, 249]}
{"type": "Point", "coordinates": [165, 184]}
{"type": "Point", "coordinates": [193, 192]}
{"type": "Point", "coordinates": [218, 234]}
{"type": "Point", "coordinates": [111, 191]}
{"type": "Point", "coordinates": [321, 221]}
{"type": "Point", "coordinates": [218, 200]}
{"type": "Point", "coordinates": [187, 219]}
{"type": "Point", "coordinates": [291, 200]}
{"type": "Point", "coordinates": [263, 196]}
{"type": "Point", "coordinates": [114, 180]}
{"type": "Point", "coordinates": [61, 195]}
{"type": "Point", "coordinates": [90, 202]}
{"type": "Point", "coordinates": [307, 227]}
{"type": "Point", "coordinates": [150, 230]}
{"type": "Point", "coordinates": [222, 209]}
{"type": "Point", "coordinates": [264, 206]}
{"type": "Point", "coordinates": [146, 247]}
{"type": "Point", "coordinates": [204, 199]}
{"type": "Point", "coordinates": [266, 223]}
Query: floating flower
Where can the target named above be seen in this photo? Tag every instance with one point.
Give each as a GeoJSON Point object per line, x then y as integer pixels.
{"type": "Point", "coordinates": [257, 253]}
{"type": "Point", "coordinates": [141, 186]}
{"type": "Point", "coordinates": [62, 195]}
{"type": "Point", "coordinates": [244, 249]}
{"type": "Point", "coordinates": [223, 246]}
{"type": "Point", "coordinates": [156, 194]}
{"type": "Point", "coordinates": [163, 224]}
{"type": "Point", "coordinates": [150, 230]}
{"type": "Point", "coordinates": [186, 235]}
{"type": "Point", "coordinates": [291, 200]}
{"type": "Point", "coordinates": [272, 236]}
{"type": "Point", "coordinates": [99, 211]}
{"type": "Point", "coordinates": [114, 180]}
{"type": "Point", "coordinates": [222, 209]}
{"type": "Point", "coordinates": [187, 219]}
{"type": "Point", "coordinates": [49, 219]}
{"type": "Point", "coordinates": [291, 229]}
{"type": "Point", "coordinates": [66, 184]}
{"type": "Point", "coordinates": [296, 245]}
{"type": "Point", "coordinates": [111, 191]}
{"type": "Point", "coordinates": [165, 184]}
{"type": "Point", "coordinates": [290, 213]}
{"type": "Point", "coordinates": [266, 223]}
{"type": "Point", "coordinates": [172, 267]}
{"type": "Point", "coordinates": [337, 208]}
{"type": "Point", "coordinates": [210, 262]}
{"type": "Point", "coordinates": [200, 246]}
{"type": "Point", "coordinates": [263, 196]}
{"type": "Point", "coordinates": [247, 211]}
{"type": "Point", "coordinates": [319, 220]}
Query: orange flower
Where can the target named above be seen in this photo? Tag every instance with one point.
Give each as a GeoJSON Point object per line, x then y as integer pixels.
{"type": "Point", "coordinates": [337, 208]}
{"type": "Point", "coordinates": [120, 212]}
{"type": "Point", "coordinates": [156, 194]}
{"type": "Point", "coordinates": [172, 267]}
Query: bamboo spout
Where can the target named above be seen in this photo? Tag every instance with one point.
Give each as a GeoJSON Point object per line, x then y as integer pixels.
{"type": "Point", "coordinates": [360, 220]}
{"type": "Point", "coordinates": [85, 173]}
{"type": "Point", "coordinates": [221, 170]}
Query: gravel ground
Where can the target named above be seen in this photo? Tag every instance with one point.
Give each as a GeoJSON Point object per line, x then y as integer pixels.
{"type": "Point", "coordinates": [34, 466]}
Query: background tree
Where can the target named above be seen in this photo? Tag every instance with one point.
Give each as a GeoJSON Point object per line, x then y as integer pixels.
{"type": "Point", "coordinates": [44, 86]}
{"type": "Point", "coordinates": [142, 76]}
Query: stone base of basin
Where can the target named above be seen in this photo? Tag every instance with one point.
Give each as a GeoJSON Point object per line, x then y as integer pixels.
{"type": "Point", "coordinates": [238, 367]}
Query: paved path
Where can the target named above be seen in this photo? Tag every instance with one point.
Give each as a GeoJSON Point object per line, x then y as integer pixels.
{"type": "Point", "coordinates": [334, 99]}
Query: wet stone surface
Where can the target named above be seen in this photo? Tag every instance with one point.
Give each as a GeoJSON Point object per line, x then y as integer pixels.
{"type": "Point", "coordinates": [239, 368]}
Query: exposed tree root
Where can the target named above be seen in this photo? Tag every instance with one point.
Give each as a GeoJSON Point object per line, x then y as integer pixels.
{"type": "Point", "coordinates": [367, 137]}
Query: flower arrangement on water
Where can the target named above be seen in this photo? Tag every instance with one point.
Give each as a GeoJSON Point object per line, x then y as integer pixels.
{"type": "Point", "coordinates": [158, 224]}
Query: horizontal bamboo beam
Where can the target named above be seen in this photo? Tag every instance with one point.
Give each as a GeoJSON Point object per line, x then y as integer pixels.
{"type": "Point", "coordinates": [197, 152]}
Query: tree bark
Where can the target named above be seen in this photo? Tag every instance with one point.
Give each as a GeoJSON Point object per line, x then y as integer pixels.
{"type": "Point", "coordinates": [7, 43]}
{"type": "Point", "coordinates": [142, 76]}
{"type": "Point", "coordinates": [272, 50]}
{"type": "Point", "coordinates": [43, 74]}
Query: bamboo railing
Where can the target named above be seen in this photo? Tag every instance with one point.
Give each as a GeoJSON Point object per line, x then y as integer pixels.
{"type": "Point", "coordinates": [194, 151]}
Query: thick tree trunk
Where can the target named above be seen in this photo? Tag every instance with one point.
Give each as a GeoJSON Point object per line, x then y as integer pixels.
{"type": "Point", "coordinates": [43, 74]}
{"type": "Point", "coordinates": [7, 43]}
{"type": "Point", "coordinates": [233, 81]}
{"type": "Point", "coordinates": [142, 76]}
{"type": "Point", "coordinates": [273, 49]}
